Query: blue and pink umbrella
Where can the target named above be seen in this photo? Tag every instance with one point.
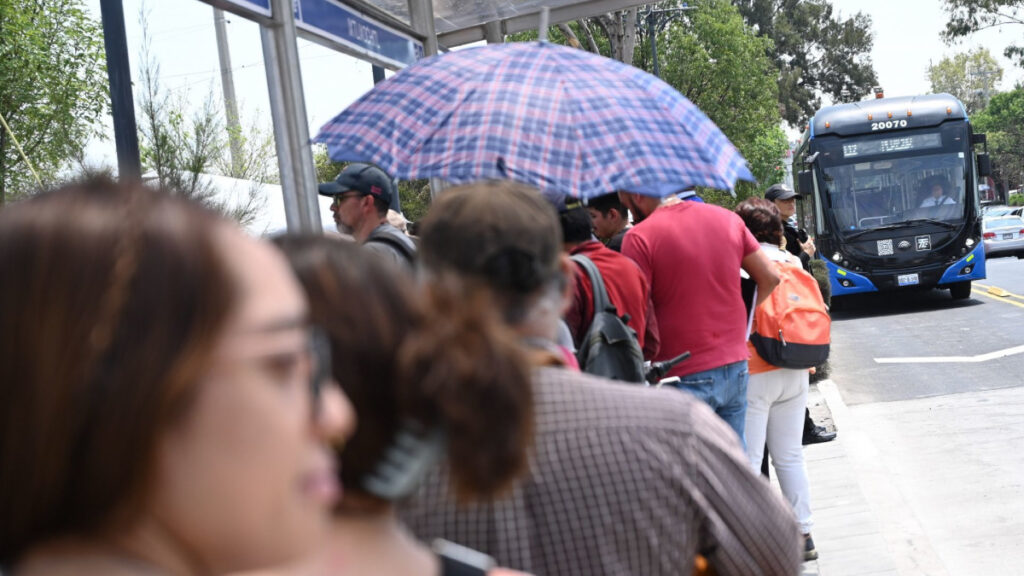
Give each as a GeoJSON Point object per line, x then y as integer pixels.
{"type": "Point", "coordinates": [560, 119]}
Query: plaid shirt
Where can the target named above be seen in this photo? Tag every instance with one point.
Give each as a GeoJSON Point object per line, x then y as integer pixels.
{"type": "Point", "coordinates": [623, 480]}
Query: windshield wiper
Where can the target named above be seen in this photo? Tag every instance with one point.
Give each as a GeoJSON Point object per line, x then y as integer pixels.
{"type": "Point", "coordinates": [903, 224]}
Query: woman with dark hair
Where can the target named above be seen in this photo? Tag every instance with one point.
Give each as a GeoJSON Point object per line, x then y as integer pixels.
{"type": "Point", "coordinates": [431, 375]}
{"type": "Point", "coordinates": [159, 409]}
{"type": "Point", "coordinates": [777, 397]}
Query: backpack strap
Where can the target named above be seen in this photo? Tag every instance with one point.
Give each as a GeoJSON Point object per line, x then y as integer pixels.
{"type": "Point", "coordinates": [399, 244]}
{"type": "Point", "coordinates": [601, 301]}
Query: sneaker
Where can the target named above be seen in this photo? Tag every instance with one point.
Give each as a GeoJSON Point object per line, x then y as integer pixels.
{"type": "Point", "coordinates": [817, 434]}
{"type": "Point", "coordinates": [810, 552]}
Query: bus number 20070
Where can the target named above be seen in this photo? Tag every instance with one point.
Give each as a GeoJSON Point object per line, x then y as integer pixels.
{"type": "Point", "coordinates": [889, 124]}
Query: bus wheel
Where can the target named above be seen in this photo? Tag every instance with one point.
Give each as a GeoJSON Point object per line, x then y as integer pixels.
{"type": "Point", "coordinates": [960, 290]}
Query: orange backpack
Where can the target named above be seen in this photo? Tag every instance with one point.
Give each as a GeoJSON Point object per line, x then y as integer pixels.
{"type": "Point", "coordinates": [792, 326]}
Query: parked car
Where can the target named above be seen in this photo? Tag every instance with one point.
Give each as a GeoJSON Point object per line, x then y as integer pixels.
{"type": "Point", "coordinates": [1003, 235]}
{"type": "Point", "coordinates": [993, 210]}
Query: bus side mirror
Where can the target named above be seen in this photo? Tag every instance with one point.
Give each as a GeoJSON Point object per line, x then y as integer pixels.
{"type": "Point", "coordinates": [805, 181]}
{"type": "Point", "coordinates": [978, 139]}
{"type": "Point", "coordinates": [984, 165]}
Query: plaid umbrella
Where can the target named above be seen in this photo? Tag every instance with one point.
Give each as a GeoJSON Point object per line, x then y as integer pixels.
{"type": "Point", "coordinates": [560, 119]}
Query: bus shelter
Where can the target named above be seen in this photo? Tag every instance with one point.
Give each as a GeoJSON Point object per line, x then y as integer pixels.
{"type": "Point", "coordinates": [388, 33]}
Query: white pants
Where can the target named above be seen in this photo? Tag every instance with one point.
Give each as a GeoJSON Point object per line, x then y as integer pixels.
{"type": "Point", "coordinates": [775, 411]}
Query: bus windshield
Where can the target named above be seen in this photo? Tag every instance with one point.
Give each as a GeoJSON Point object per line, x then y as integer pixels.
{"type": "Point", "coordinates": [887, 181]}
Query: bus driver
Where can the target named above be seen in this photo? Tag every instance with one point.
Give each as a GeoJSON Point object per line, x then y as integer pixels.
{"type": "Point", "coordinates": [938, 196]}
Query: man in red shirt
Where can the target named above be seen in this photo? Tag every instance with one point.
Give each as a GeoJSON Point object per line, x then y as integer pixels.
{"type": "Point", "coordinates": [691, 254]}
{"type": "Point", "coordinates": [627, 288]}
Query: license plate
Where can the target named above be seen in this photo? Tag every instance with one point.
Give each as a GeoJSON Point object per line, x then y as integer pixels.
{"type": "Point", "coordinates": [1008, 236]}
{"type": "Point", "coordinates": [907, 279]}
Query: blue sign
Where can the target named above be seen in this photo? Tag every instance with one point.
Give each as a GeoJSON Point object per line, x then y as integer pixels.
{"type": "Point", "coordinates": [336, 23]}
{"type": "Point", "coordinates": [258, 6]}
{"type": "Point", "coordinates": [333, 21]}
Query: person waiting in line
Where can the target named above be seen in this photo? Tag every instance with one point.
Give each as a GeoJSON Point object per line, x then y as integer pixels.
{"type": "Point", "coordinates": [799, 243]}
{"type": "Point", "coordinates": [160, 408]}
{"type": "Point", "coordinates": [627, 288]}
{"type": "Point", "coordinates": [938, 197]}
{"type": "Point", "coordinates": [622, 479]}
{"type": "Point", "coordinates": [691, 254]}
{"type": "Point", "coordinates": [430, 376]}
{"type": "Point", "coordinates": [776, 395]}
{"type": "Point", "coordinates": [610, 219]}
{"type": "Point", "coordinates": [361, 195]}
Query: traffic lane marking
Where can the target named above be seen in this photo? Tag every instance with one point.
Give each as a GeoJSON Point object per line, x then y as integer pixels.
{"type": "Point", "coordinates": [953, 359]}
{"type": "Point", "coordinates": [1008, 298]}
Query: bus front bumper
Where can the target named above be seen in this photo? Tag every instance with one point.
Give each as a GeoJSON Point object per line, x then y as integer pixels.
{"type": "Point", "coordinates": [969, 267]}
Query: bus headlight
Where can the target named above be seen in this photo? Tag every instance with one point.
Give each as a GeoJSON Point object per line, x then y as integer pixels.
{"type": "Point", "coordinates": [837, 257]}
{"type": "Point", "coordinates": [970, 242]}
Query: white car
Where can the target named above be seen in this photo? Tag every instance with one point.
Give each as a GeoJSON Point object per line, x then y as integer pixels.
{"type": "Point", "coordinates": [1003, 235]}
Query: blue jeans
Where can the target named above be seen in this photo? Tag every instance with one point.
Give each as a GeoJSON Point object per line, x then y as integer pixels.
{"type": "Point", "coordinates": [724, 389]}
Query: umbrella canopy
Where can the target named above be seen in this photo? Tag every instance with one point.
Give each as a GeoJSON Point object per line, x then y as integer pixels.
{"type": "Point", "coordinates": [560, 119]}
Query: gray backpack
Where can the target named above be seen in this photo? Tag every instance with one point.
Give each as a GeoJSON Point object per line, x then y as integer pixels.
{"type": "Point", "coordinates": [609, 348]}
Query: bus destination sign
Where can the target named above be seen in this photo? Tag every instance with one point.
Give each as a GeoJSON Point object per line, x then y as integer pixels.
{"type": "Point", "coordinates": [890, 145]}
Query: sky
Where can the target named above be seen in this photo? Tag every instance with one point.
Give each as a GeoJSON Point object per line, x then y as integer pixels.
{"type": "Point", "coordinates": [906, 40]}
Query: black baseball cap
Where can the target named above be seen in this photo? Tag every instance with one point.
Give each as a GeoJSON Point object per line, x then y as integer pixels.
{"type": "Point", "coordinates": [366, 179]}
{"type": "Point", "coordinates": [779, 192]}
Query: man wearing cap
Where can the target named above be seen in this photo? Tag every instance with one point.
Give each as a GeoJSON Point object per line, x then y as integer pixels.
{"type": "Point", "coordinates": [800, 244]}
{"type": "Point", "coordinates": [362, 195]}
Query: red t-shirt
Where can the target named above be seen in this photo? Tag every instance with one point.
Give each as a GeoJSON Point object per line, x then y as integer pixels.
{"type": "Point", "coordinates": [627, 289]}
{"type": "Point", "coordinates": [691, 255]}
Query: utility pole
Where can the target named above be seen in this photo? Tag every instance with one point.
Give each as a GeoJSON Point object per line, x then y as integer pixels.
{"type": "Point", "coordinates": [656, 23]}
{"type": "Point", "coordinates": [983, 74]}
{"type": "Point", "coordinates": [227, 80]}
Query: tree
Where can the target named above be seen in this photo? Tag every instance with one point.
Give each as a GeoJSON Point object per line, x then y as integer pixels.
{"type": "Point", "coordinates": [1003, 121]}
{"type": "Point", "coordinates": [53, 88]}
{"type": "Point", "coordinates": [714, 59]}
{"type": "Point", "coordinates": [970, 76]}
{"type": "Point", "coordinates": [969, 16]}
{"type": "Point", "coordinates": [817, 52]}
{"type": "Point", "coordinates": [181, 148]}
{"type": "Point", "coordinates": [720, 64]}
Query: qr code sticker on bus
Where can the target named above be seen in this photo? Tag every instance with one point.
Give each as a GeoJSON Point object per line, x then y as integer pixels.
{"type": "Point", "coordinates": [885, 247]}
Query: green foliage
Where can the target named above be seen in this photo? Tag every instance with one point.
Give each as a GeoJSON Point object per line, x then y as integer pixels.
{"type": "Point", "coordinates": [969, 16]}
{"type": "Point", "coordinates": [1016, 200]}
{"type": "Point", "coordinates": [968, 75]}
{"type": "Point", "coordinates": [181, 147]}
{"type": "Point", "coordinates": [413, 195]}
{"type": "Point", "coordinates": [1003, 121]}
{"type": "Point", "coordinates": [53, 88]}
{"type": "Point", "coordinates": [713, 58]}
{"type": "Point", "coordinates": [815, 52]}
{"type": "Point", "coordinates": [716, 60]}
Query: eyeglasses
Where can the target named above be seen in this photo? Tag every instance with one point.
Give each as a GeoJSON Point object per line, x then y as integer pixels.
{"type": "Point", "coordinates": [342, 197]}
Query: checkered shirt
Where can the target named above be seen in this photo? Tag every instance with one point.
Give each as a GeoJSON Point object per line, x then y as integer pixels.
{"type": "Point", "coordinates": [623, 480]}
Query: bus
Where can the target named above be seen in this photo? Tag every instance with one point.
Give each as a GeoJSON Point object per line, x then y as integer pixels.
{"type": "Point", "coordinates": [891, 194]}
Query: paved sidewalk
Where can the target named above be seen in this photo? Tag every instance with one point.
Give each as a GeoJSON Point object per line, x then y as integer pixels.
{"type": "Point", "coordinates": [847, 532]}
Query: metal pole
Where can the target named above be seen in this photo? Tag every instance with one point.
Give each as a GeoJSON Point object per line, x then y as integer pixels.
{"type": "Point", "coordinates": [227, 81]}
{"type": "Point", "coordinates": [653, 35]}
{"type": "Point", "coordinates": [288, 109]}
{"type": "Point", "coordinates": [421, 17]}
{"type": "Point", "coordinates": [492, 32]}
{"type": "Point", "coordinates": [126, 135]}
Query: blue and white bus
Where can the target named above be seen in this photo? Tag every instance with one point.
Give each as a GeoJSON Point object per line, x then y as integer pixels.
{"type": "Point", "coordinates": [890, 190]}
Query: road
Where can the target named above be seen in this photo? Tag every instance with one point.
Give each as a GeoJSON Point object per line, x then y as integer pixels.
{"type": "Point", "coordinates": [929, 400]}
